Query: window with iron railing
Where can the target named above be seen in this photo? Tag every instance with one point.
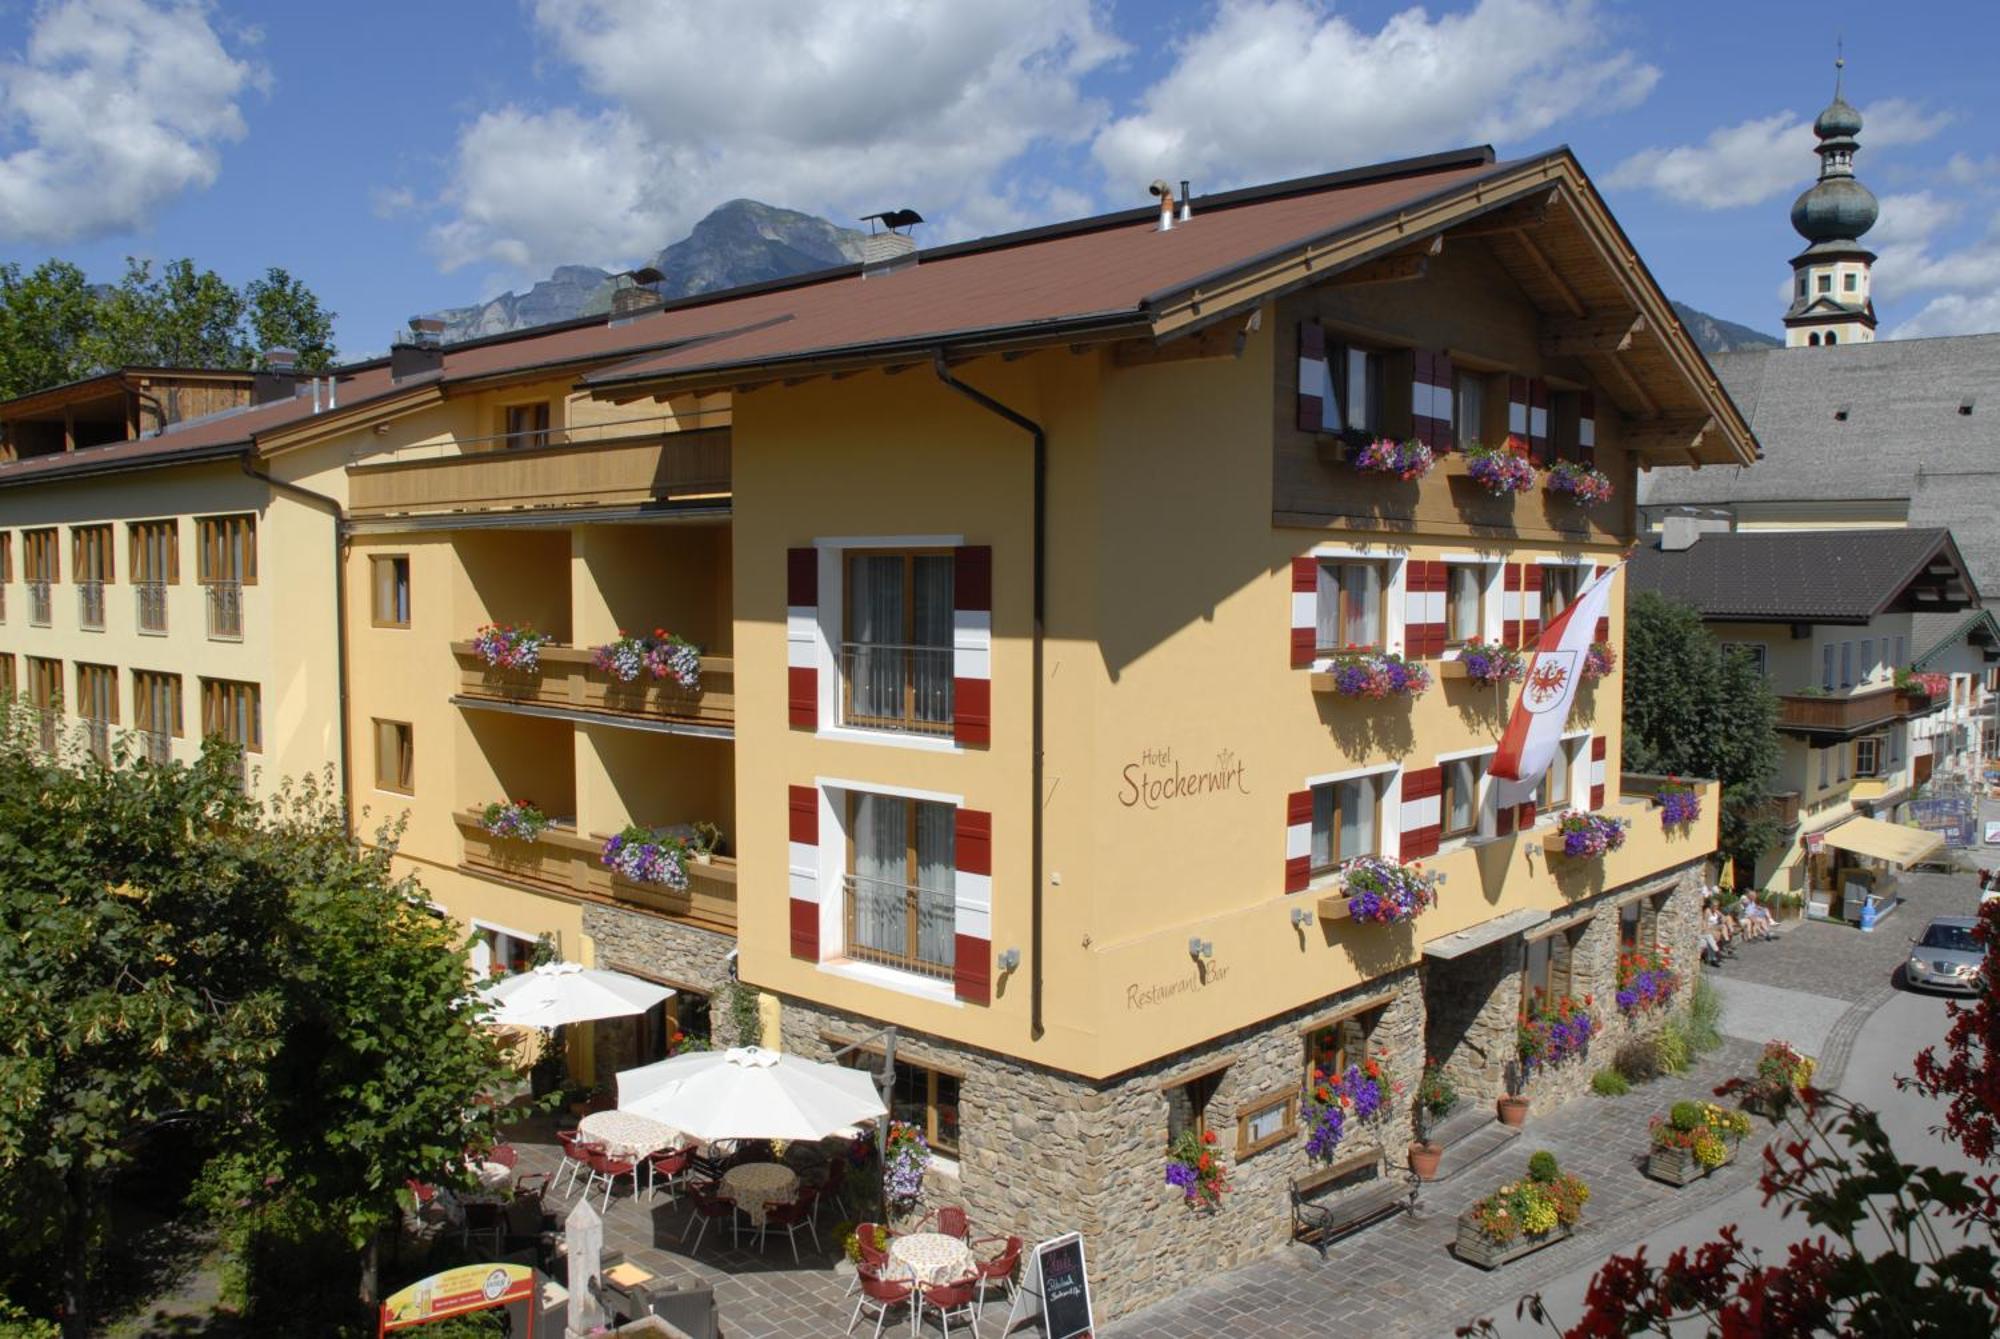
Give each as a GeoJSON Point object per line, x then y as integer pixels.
{"type": "Point", "coordinates": [896, 660]}
{"type": "Point", "coordinates": [40, 609]}
{"type": "Point", "coordinates": [151, 599]}
{"type": "Point", "coordinates": [225, 610]}
{"type": "Point", "coordinates": [45, 693]}
{"type": "Point", "coordinates": [97, 704]}
{"type": "Point", "coordinates": [90, 605]}
{"type": "Point", "coordinates": [156, 707]}
{"type": "Point", "coordinates": [901, 888]}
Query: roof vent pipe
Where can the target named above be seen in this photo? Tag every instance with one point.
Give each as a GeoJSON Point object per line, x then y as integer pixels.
{"type": "Point", "coordinates": [316, 400]}
{"type": "Point", "coordinates": [1187, 206]}
{"type": "Point", "coordinates": [332, 392]}
{"type": "Point", "coordinates": [1166, 194]}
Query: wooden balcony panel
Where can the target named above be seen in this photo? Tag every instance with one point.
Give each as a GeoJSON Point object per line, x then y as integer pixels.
{"type": "Point", "coordinates": [586, 474]}
{"type": "Point", "coordinates": [568, 680]}
{"type": "Point", "coordinates": [1797, 712]}
{"type": "Point", "coordinates": [561, 862]}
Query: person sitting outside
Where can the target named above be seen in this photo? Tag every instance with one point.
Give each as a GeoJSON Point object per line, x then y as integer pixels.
{"type": "Point", "coordinates": [1756, 918]}
{"type": "Point", "coordinates": [1711, 948]}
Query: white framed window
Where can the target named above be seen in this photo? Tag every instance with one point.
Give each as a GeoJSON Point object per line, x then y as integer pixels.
{"type": "Point", "coordinates": [1868, 756]}
{"type": "Point", "coordinates": [1357, 387]}
{"type": "Point", "coordinates": [1465, 603]}
{"type": "Point", "coordinates": [901, 883]}
{"type": "Point", "coordinates": [1758, 654]}
{"type": "Point", "coordinates": [1560, 584]}
{"type": "Point", "coordinates": [1557, 791]}
{"type": "Point", "coordinates": [1470, 410]}
{"type": "Point", "coordinates": [1462, 809]}
{"type": "Point", "coordinates": [1868, 666]}
{"type": "Point", "coordinates": [1352, 602]}
{"type": "Point", "coordinates": [1347, 819]}
{"type": "Point", "coordinates": [1823, 767]}
{"type": "Point", "coordinates": [1826, 667]}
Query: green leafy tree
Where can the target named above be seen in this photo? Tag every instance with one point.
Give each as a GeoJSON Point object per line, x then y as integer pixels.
{"type": "Point", "coordinates": [1693, 708]}
{"type": "Point", "coordinates": [183, 317]}
{"type": "Point", "coordinates": [173, 953]}
{"type": "Point", "coordinates": [285, 314]}
{"type": "Point", "coordinates": [48, 318]}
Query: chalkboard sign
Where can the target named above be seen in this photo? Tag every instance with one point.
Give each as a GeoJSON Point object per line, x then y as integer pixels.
{"type": "Point", "coordinates": [1057, 1286]}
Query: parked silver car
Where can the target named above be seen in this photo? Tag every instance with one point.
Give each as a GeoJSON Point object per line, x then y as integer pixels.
{"type": "Point", "coordinates": [1946, 956]}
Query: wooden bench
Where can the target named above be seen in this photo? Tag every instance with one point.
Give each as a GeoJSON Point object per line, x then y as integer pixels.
{"type": "Point", "coordinates": [1348, 1195]}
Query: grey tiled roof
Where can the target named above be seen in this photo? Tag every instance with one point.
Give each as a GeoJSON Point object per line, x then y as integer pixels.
{"type": "Point", "coordinates": [1903, 438]}
{"type": "Point", "coordinates": [1805, 576]}
{"type": "Point", "coordinates": [1931, 634]}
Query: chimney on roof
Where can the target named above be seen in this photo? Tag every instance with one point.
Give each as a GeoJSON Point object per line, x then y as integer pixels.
{"type": "Point", "coordinates": [419, 352]}
{"type": "Point", "coordinates": [633, 294]}
{"type": "Point", "coordinates": [1680, 531]}
{"type": "Point", "coordinates": [277, 379]}
{"type": "Point", "coordinates": [1166, 193]}
{"type": "Point", "coordinates": [891, 247]}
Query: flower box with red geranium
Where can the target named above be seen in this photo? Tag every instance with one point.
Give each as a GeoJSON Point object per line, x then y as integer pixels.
{"type": "Point", "coordinates": [1522, 1216]}
{"type": "Point", "coordinates": [1646, 981]}
{"type": "Point", "coordinates": [1364, 672]}
{"type": "Point", "coordinates": [1195, 1167]}
{"type": "Point", "coordinates": [1337, 1104]}
{"type": "Point", "coordinates": [1582, 835]}
{"type": "Point", "coordinates": [1598, 660]}
{"type": "Point", "coordinates": [1502, 471]}
{"type": "Point", "coordinates": [1553, 1031]}
{"type": "Point", "coordinates": [1408, 461]}
{"type": "Point", "coordinates": [1376, 891]}
{"type": "Point", "coordinates": [508, 646]}
{"type": "Point", "coordinates": [1487, 663]}
{"type": "Point", "coordinates": [1579, 483]}
{"type": "Point", "coordinates": [1680, 803]}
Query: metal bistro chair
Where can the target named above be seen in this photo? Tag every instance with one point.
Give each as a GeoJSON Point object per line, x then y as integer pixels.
{"type": "Point", "coordinates": [790, 1218]}
{"type": "Point", "coordinates": [872, 1240]}
{"type": "Point", "coordinates": [666, 1168]}
{"type": "Point", "coordinates": [885, 1295]}
{"type": "Point", "coordinates": [606, 1168]}
{"type": "Point", "coordinates": [957, 1298]}
{"type": "Point", "coordinates": [711, 1208]}
{"type": "Point", "coordinates": [998, 1269]}
{"type": "Point", "coordinates": [574, 1160]}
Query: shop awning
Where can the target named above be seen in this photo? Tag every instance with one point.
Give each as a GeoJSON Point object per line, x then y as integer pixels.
{"type": "Point", "coordinates": [1475, 937]}
{"type": "Point", "coordinates": [1886, 841]}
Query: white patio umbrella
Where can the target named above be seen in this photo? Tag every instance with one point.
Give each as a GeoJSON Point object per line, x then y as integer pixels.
{"type": "Point", "coordinates": [568, 992]}
{"type": "Point", "coordinates": [750, 1093]}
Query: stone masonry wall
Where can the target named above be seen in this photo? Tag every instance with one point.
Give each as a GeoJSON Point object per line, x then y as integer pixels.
{"type": "Point", "coordinates": [666, 951]}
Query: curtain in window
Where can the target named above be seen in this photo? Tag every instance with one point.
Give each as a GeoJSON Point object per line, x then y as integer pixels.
{"type": "Point", "coordinates": [1464, 611]}
{"type": "Point", "coordinates": [1462, 792]}
{"type": "Point", "coordinates": [881, 865]}
{"type": "Point", "coordinates": [1349, 604]}
{"type": "Point", "coordinates": [1357, 818]}
{"type": "Point", "coordinates": [1471, 409]}
{"type": "Point", "coordinates": [1556, 791]}
{"type": "Point", "coordinates": [936, 880]}
{"type": "Point", "coordinates": [930, 671]}
{"type": "Point", "coordinates": [1322, 830]}
{"type": "Point", "coordinates": [875, 584]}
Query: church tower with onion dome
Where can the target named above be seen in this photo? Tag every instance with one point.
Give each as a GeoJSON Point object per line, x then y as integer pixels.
{"type": "Point", "coordinates": [1830, 297]}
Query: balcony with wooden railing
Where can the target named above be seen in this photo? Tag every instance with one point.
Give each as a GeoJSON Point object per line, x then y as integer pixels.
{"type": "Point", "coordinates": [576, 469]}
{"type": "Point", "coordinates": [1843, 714]}
{"type": "Point", "coordinates": [569, 685]}
{"type": "Point", "coordinates": [562, 862]}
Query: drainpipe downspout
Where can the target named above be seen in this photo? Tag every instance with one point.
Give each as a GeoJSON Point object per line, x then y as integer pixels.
{"type": "Point", "coordinates": [1037, 564]}
{"type": "Point", "coordinates": [339, 515]}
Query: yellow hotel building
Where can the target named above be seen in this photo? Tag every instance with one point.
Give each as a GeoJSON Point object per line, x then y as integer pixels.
{"type": "Point", "coordinates": [1017, 569]}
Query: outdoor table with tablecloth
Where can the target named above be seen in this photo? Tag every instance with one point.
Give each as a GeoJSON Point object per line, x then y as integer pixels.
{"type": "Point", "coordinates": [930, 1257]}
{"type": "Point", "coordinates": [625, 1135]}
{"type": "Point", "coordinates": [494, 1177]}
{"type": "Point", "coordinates": [755, 1186]}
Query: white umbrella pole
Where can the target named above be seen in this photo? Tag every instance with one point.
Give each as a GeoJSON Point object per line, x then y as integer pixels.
{"type": "Point", "coordinates": [885, 1084]}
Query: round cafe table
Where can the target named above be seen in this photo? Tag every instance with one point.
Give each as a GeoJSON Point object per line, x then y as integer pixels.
{"type": "Point", "coordinates": [931, 1257]}
{"type": "Point", "coordinates": [755, 1186]}
{"type": "Point", "coordinates": [625, 1135]}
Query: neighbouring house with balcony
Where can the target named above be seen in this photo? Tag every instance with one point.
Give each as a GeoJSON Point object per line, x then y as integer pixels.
{"type": "Point", "coordinates": [1837, 621]}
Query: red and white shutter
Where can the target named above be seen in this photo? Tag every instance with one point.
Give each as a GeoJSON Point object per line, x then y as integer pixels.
{"type": "Point", "coordinates": [1531, 603]}
{"type": "Point", "coordinates": [1525, 814]}
{"type": "Point", "coordinates": [1586, 429]}
{"type": "Point", "coordinates": [1298, 840]}
{"type": "Point", "coordinates": [1430, 399]}
{"type": "Point", "coordinates": [803, 830]}
{"type": "Point", "coordinates": [1510, 604]}
{"type": "Point", "coordinates": [972, 913]}
{"type": "Point", "coordinates": [1528, 414]}
{"type": "Point", "coordinates": [1602, 633]}
{"type": "Point", "coordinates": [1423, 608]}
{"type": "Point", "coordinates": [972, 645]}
{"type": "Point", "coordinates": [1305, 610]}
{"type": "Point", "coordinates": [1503, 820]}
{"type": "Point", "coordinates": [802, 637]}
{"type": "Point", "coordinates": [1422, 814]}
{"type": "Point", "coordinates": [1599, 747]}
{"type": "Point", "coordinates": [1317, 410]}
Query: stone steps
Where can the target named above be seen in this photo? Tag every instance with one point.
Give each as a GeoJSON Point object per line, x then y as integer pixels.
{"type": "Point", "coordinates": [1471, 1143]}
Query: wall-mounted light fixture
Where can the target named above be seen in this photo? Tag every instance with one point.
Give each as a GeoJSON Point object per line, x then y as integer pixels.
{"type": "Point", "coordinates": [1010, 959]}
{"type": "Point", "coordinates": [1201, 949]}
{"type": "Point", "coordinates": [1301, 917]}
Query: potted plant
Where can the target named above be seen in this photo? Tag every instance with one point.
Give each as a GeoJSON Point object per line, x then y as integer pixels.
{"type": "Point", "coordinates": [1522, 1216]}
{"type": "Point", "coordinates": [660, 655]}
{"type": "Point", "coordinates": [1680, 803]}
{"type": "Point", "coordinates": [515, 820]}
{"type": "Point", "coordinates": [1502, 471]}
{"type": "Point", "coordinates": [1782, 1074]}
{"type": "Point", "coordinates": [1362, 671]}
{"type": "Point", "coordinates": [907, 1158]}
{"type": "Point", "coordinates": [1513, 1104]}
{"type": "Point", "coordinates": [509, 646]}
{"type": "Point", "coordinates": [1646, 981]}
{"type": "Point", "coordinates": [1693, 1140]}
{"type": "Point", "coordinates": [1583, 835]}
{"type": "Point", "coordinates": [1408, 460]}
{"type": "Point", "coordinates": [1553, 1031]}
{"type": "Point", "coordinates": [1488, 663]}
{"type": "Point", "coordinates": [1382, 892]}
{"type": "Point", "coordinates": [707, 841]}
{"type": "Point", "coordinates": [647, 855]}
{"type": "Point", "coordinates": [1598, 660]}
{"type": "Point", "coordinates": [1195, 1168]}
{"type": "Point", "coordinates": [1333, 1102]}
{"type": "Point", "coordinates": [1579, 483]}
{"type": "Point", "coordinates": [1436, 1097]}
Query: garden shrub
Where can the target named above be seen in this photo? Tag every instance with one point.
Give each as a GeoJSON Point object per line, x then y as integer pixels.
{"type": "Point", "coordinates": [1542, 1167]}
{"type": "Point", "coordinates": [1638, 1060]}
{"type": "Point", "coordinates": [1609, 1083]}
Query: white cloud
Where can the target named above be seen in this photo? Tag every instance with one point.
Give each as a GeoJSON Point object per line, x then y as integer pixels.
{"type": "Point", "coordinates": [838, 108]}
{"type": "Point", "coordinates": [114, 108]}
{"type": "Point", "coordinates": [1752, 161]}
{"type": "Point", "coordinates": [1275, 88]}
{"type": "Point", "coordinates": [1907, 220]}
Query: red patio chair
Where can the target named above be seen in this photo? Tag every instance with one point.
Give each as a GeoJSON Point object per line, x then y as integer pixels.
{"type": "Point", "coordinates": [998, 1268]}
{"type": "Point", "coordinates": [885, 1295]}
{"type": "Point", "coordinates": [957, 1298]}
{"type": "Point", "coordinates": [666, 1168]}
{"type": "Point", "coordinates": [606, 1168]}
{"type": "Point", "coordinates": [872, 1240]}
{"type": "Point", "coordinates": [710, 1208]}
{"type": "Point", "coordinates": [789, 1218]}
{"type": "Point", "coordinates": [504, 1154]}
{"type": "Point", "coordinates": [574, 1160]}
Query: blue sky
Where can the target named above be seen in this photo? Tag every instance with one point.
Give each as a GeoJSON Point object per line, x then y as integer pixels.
{"type": "Point", "coordinates": [405, 157]}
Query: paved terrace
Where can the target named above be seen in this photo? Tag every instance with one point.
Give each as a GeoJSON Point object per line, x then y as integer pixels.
{"type": "Point", "coordinates": [1815, 983]}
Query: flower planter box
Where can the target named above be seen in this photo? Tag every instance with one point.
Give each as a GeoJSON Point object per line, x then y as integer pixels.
{"type": "Point", "coordinates": [1677, 1166]}
{"type": "Point", "coordinates": [1552, 845]}
{"type": "Point", "coordinates": [1475, 1247]}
